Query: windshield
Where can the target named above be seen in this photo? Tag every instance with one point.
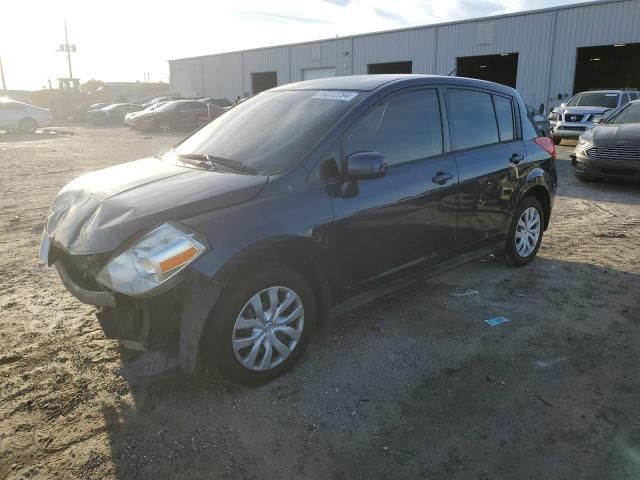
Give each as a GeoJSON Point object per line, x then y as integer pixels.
{"type": "Point", "coordinates": [629, 114]}
{"type": "Point", "coordinates": [594, 99]}
{"type": "Point", "coordinates": [153, 107]}
{"type": "Point", "coordinates": [166, 106]}
{"type": "Point", "coordinates": [273, 130]}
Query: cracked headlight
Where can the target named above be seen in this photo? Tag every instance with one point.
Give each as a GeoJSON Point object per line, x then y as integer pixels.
{"type": "Point", "coordinates": [154, 259]}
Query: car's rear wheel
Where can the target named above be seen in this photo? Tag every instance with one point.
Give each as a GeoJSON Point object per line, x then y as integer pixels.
{"type": "Point", "coordinates": [587, 178]}
{"type": "Point", "coordinates": [556, 140]}
{"type": "Point", "coordinates": [261, 327]}
{"type": "Point", "coordinates": [525, 233]}
{"type": "Point", "coordinates": [27, 125]}
{"type": "Point", "coordinates": [164, 126]}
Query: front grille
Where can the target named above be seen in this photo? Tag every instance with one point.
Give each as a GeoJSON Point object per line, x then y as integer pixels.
{"type": "Point", "coordinates": [617, 152]}
{"type": "Point", "coordinates": [82, 268]}
{"type": "Point", "coordinates": [570, 117]}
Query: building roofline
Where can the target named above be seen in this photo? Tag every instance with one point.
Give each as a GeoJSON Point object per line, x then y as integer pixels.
{"type": "Point", "coordinates": [408, 29]}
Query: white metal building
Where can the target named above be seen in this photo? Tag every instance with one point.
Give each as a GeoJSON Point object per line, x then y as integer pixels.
{"type": "Point", "coordinates": [546, 54]}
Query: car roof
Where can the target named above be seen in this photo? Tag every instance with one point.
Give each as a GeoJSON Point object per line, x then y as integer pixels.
{"type": "Point", "coordinates": [603, 91]}
{"type": "Point", "coordinates": [368, 83]}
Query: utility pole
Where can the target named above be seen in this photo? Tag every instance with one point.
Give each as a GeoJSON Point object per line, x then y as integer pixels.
{"type": "Point", "coordinates": [68, 49]}
{"type": "Point", "coordinates": [4, 84]}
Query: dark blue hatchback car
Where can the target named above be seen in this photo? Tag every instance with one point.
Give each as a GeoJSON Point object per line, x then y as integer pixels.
{"type": "Point", "coordinates": [302, 202]}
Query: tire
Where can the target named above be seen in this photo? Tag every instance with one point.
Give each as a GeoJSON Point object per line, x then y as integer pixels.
{"type": "Point", "coordinates": [556, 140]}
{"type": "Point", "coordinates": [164, 126]}
{"type": "Point", "coordinates": [587, 178]}
{"type": "Point", "coordinates": [230, 339]}
{"type": "Point", "coordinates": [523, 229]}
{"type": "Point", "coordinates": [27, 125]}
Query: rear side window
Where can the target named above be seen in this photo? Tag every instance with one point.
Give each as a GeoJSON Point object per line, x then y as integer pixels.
{"type": "Point", "coordinates": [191, 106]}
{"type": "Point", "coordinates": [626, 99]}
{"type": "Point", "coordinates": [472, 120]}
{"type": "Point", "coordinates": [504, 114]}
{"type": "Point", "coordinates": [402, 127]}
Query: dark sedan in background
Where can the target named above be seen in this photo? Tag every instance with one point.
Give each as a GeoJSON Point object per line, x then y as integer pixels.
{"type": "Point", "coordinates": [113, 114]}
{"type": "Point", "coordinates": [185, 115]}
{"type": "Point", "coordinates": [611, 149]}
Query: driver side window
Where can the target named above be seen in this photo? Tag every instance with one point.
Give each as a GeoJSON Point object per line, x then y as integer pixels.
{"type": "Point", "coordinates": [403, 127]}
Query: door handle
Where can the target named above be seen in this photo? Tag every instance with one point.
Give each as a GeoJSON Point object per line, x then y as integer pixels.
{"type": "Point", "coordinates": [516, 159]}
{"type": "Point", "coordinates": [442, 177]}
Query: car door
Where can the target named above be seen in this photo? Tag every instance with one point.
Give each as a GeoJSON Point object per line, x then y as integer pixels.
{"type": "Point", "coordinates": [385, 228]}
{"type": "Point", "coordinates": [4, 114]}
{"type": "Point", "coordinates": [191, 115]}
{"type": "Point", "coordinates": [488, 151]}
{"type": "Point", "coordinates": [10, 114]}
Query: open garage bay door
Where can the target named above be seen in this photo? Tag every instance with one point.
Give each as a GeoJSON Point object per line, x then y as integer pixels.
{"type": "Point", "coordinates": [314, 73]}
{"type": "Point", "coordinates": [261, 81]}
{"type": "Point", "coordinates": [502, 68]}
{"type": "Point", "coordinates": [390, 67]}
{"type": "Point", "coordinates": [607, 67]}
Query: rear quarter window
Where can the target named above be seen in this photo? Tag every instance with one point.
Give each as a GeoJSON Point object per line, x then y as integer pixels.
{"type": "Point", "coordinates": [504, 114]}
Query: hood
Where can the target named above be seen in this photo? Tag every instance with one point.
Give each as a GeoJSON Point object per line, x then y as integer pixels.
{"type": "Point", "coordinates": [603, 134]}
{"type": "Point", "coordinates": [97, 212]}
{"type": "Point", "coordinates": [585, 110]}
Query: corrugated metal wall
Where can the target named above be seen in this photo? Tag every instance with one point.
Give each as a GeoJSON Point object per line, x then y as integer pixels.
{"type": "Point", "coordinates": [328, 54]}
{"type": "Point", "coordinates": [223, 75]}
{"type": "Point", "coordinates": [588, 26]}
{"type": "Point", "coordinates": [186, 76]}
{"type": "Point", "coordinates": [417, 46]}
{"type": "Point", "coordinates": [265, 60]}
{"type": "Point", "coordinates": [545, 41]}
{"type": "Point", "coordinates": [527, 35]}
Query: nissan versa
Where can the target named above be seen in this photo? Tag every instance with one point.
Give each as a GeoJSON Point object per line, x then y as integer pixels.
{"type": "Point", "coordinates": [302, 202]}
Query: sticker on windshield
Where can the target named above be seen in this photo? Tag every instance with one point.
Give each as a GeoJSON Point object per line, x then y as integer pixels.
{"type": "Point", "coordinates": [336, 95]}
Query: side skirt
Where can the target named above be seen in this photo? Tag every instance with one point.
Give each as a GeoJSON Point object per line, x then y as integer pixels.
{"type": "Point", "coordinates": [367, 297]}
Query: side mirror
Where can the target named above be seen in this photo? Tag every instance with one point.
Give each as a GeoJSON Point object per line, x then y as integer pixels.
{"type": "Point", "coordinates": [365, 165]}
{"type": "Point", "coordinates": [562, 105]}
{"type": "Point", "coordinates": [597, 119]}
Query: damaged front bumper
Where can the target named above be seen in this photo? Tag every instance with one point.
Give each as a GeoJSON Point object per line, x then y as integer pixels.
{"type": "Point", "coordinates": [172, 321]}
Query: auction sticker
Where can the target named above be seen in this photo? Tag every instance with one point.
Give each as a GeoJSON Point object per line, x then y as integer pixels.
{"type": "Point", "coordinates": [336, 95]}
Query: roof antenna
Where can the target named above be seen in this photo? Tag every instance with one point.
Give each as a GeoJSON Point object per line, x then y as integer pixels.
{"type": "Point", "coordinates": [452, 72]}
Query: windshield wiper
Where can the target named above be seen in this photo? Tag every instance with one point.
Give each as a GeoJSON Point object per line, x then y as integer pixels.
{"type": "Point", "coordinates": [215, 161]}
{"type": "Point", "coordinates": [233, 164]}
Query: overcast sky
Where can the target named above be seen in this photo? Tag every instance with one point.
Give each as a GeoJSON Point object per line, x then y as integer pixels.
{"type": "Point", "coordinates": [120, 40]}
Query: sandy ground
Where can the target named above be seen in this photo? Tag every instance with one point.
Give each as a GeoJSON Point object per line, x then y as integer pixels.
{"type": "Point", "coordinates": [412, 386]}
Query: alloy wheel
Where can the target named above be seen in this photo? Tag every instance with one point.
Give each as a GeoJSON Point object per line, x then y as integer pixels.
{"type": "Point", "coordinates": [268, 328]}
{"type": "Point", "coordinates": [527, 232]}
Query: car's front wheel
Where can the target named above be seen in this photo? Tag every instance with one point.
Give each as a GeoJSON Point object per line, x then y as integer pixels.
{"type": "Point", "coordinates": [261, 326]}
{"type": "Point", "coordinates": [28, 125]}
{"type": "Point", "coordinates": [164, 126]}
{"type": "Point", "coordinates": [525, 233]}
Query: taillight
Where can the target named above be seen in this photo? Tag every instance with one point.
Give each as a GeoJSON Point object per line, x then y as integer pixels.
{"type": "Point", "coordinates": [547, 145]}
